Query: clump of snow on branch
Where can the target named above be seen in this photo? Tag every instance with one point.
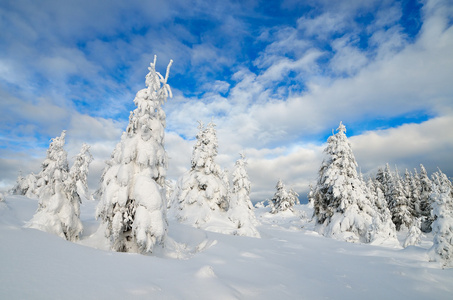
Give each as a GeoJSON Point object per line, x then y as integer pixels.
{"type": "Point", "coordinates": [132, 193]}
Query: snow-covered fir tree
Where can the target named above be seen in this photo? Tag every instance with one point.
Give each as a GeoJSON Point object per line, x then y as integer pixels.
{"type": "Point", "coordinates": [132, 194]}
{"type": "Point", "coordinates": [410, 195]}
{"type": "Point", "coordinates": [425, 190]}
{"type": "Point", "coordinates": [310, 196]}
{"type": "Point", "coordinates": [398, 201]}
{"type": "Point", "coordinates": [341, 207]}
{"type": "Point", "coordinates": [59, 204]}
{"type": "Point", "coordinates": [283, 199]}
{"type": "Point", "coordinates": [414, 234]}
{"type": "Point", "coordinates": [382, 230]}
{"type": "Point", "coordinates": [241, 209]}
{"type": "Point", "coordinates": [201, 194]}
{"type": "Point", "coordinates": [415, 190]}
{"type": "Point", "coordinates": [79, 171]}
{"type": "Point", "coordinates": [169, 190]}
{"type": "Point", "coordinates": [26, 186]}
{"type": "Point", "coordinates": [442, 227]}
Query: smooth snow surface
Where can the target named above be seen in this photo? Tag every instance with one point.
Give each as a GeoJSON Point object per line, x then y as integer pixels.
{"type": "Point", "coordinates": [289, 261]}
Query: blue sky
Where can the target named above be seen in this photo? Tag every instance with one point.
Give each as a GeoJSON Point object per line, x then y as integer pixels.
{"type": "Point", "coordinates": [275, 76]}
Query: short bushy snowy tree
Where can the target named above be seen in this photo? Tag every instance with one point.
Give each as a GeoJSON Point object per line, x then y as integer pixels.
{"type": "Point", "coordinates": [79, 171]}
{"type": "Point", "coordinates": [241, 209]}
{"type": "Point", "coordinates": [26, 186]}
{"type": "Point", "coordinates": [382, 230]}
{"type": "Point", "coordinates": [442, 227]}
{"type": "Point", "coordinates": [341, 206]}
{"type": "Point", "coordinates": [132, 194]}
{"type": "Point", "coordinates": [283, 200]}
{"type": "Point", "coordinates": [414, 234]}
{"type": "Point", "coordinates": [201, 195]}
{"type": "Point", "coordinates": [59, 204]}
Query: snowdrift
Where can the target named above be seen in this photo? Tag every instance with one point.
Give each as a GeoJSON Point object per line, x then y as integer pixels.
{"type": "Point", "coordinates": [289, 261]}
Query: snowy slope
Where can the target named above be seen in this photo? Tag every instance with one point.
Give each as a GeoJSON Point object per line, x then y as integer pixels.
{"type": "Point", "coordinates": [290, 261]}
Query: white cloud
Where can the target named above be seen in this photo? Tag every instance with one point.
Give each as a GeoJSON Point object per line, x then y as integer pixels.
{"type": "Point", "coordinates": [429, 143]}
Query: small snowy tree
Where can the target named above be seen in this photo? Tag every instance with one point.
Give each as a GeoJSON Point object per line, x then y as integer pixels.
{"type": "Point", "coordinates": [442, 227]}
{"type": "Point", "coordinates": [79, 171]}
{"type": "Point", "coordinates": [382, 230]}
{"type": "Point", "coordinates": [201, 194]}
{"type": "Point", "coordinates": [25, 186]}
{"type": "Point", "coordinates": [341, 206]}
{"type": "Point", "coordinates": [414, 234]}
{"type": "Point", "coordinates": [283, 200]}
{"type": "Point", "coordinates": [241, 208]}
{"type": "Point", "coordinates": [132, 196]}
{"type": "Point", "coordinates": [310, 196]}
{"type": "Point", "coordinates": [59, 204]}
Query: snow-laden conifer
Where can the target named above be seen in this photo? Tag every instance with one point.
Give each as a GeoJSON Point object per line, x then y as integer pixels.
{"type": "Point", "coordinates": [59, 204]}
{"type": "Point", "coordinates": [414, 186]}
{"type": "Point", "coordinates": [310, 196]}
{"type": "Point", "coordinates": [413, 236]}
{"type": "Point", "coordinates": [26, 186]}
{"type": "Point", "coordinates": [442, 227]}
{"type": "Point", "coordinates": [399, 206]}
{"type": "Point", "coordinates": [132, 196]}
{"type": "Point", "coordinates": [241, 210]}
{"type": "Point", "coordinates": [382, 230]}
{"type": "Point", "coordinates": [425, 190]}
{"type": "Point", "coordinates": [201, 194]}
{"type": "Point", "coordinates": [283, 199]}
{"type": "Point", "coordinates": [413, 203]}
{"type": "Point", "coordinates": [79, 171]}
{"type": "Point", "coordinates": [341, 206]}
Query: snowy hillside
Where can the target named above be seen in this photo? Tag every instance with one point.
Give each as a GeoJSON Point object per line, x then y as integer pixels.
{"type": "Point", "coordinates": [289, 261]}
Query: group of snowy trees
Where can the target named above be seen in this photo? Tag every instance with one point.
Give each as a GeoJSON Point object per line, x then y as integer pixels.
{"type": "Point", "coordinates": [345, 207]}
{"type": "Point", "coordinates": [59, 190]}
{"type": "Point", "coordinates": [134, 195]}
{"type": "Point", "coordinates": [203, 198]}
{"type": "Point", "coordinates": [133, 189]}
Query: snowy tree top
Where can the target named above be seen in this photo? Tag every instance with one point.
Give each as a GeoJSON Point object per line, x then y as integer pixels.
{"type": "Point", "coordinates": [341, 128]}
{"type": "Point", "coordinates": [154, 80]}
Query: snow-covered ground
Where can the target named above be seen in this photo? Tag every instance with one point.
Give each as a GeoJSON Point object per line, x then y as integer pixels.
{"type": "Point", "coordinates": [289, 261]}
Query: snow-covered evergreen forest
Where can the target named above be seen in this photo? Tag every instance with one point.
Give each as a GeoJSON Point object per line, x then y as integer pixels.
{"type": "Point", "coordinates": [383, 235]}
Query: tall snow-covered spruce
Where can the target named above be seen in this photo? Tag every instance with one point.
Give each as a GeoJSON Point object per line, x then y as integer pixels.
{"type": "Point", "coordinates": [201, 197]}
{"type": "Point", "coordinates": [132, 193]}
{"type": "Point", "coordinates": [79, 171]}
{"type": "Point", "coordinates": [59, 204]}
{"type": "Point", "coordinates": [241, 208]}
{"type": "Point", "coordinates": [341, 206]}
{"type": "Point", "coordinates": [442, 227]}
